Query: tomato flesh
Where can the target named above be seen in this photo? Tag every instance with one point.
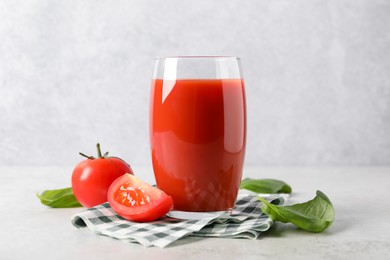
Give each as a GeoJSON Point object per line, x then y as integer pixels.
{"type": "Point", "coordinates": [138, 201]}
{"type": "Point", "coordinates": [131, 196]}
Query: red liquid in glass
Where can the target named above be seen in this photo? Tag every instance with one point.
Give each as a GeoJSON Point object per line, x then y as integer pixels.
{"type": "Point", "coordinates": [198, 138]}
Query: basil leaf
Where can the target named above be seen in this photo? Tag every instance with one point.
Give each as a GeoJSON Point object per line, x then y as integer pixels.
{"type": "Point", "coordinates": [314, 215]}
{"type": "Point", "coordinates": [269, 186]}
{"type": "Point", "coordinates": [60, 198]}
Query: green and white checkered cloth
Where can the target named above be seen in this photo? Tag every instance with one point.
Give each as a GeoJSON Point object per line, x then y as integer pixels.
{"type": "Point", "coordinates": [245, 221]}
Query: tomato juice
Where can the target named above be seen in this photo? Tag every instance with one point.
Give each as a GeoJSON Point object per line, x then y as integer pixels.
{"type": "Point", "coordinates": [198, 139]}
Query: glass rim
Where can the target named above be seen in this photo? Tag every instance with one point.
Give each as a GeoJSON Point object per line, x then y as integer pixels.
{"type": "Point", "coordinates": [200, 57]}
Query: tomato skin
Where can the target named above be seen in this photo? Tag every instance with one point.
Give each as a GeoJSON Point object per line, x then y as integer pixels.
{"type": "Point", "coordinates": [160, 202]}
{"type": "Point", "coordinates": [91, 179]}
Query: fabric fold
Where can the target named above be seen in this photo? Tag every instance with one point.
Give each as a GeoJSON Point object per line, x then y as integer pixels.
{"type": "Point", "coordinates": [245, 221]}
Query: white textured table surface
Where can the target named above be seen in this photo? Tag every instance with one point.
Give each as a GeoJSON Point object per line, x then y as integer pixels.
{"type": "Point", "coordinates": [361, 229]}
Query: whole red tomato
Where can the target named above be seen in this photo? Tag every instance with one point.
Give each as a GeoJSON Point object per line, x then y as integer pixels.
{"type": "Point", "coordinates": [92, 177]}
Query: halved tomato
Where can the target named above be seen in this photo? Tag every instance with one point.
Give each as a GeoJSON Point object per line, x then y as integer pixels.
{"type": "Point", "coordinates": [136, 200]}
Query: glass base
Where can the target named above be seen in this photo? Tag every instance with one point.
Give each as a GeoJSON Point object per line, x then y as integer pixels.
{"type": "Point", "coordinates": [189, 215]}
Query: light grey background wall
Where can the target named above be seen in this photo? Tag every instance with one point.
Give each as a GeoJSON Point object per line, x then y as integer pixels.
{"type": "Point", "coordinates": [317, 74]}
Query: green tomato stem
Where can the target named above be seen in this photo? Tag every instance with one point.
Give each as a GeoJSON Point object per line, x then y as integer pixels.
{"type": "Point", "coordinates": [99, 152]}
{"type": "Point", "coordinates": [86, 156]}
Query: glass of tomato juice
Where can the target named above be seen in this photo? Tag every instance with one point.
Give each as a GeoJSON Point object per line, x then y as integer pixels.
{"type": "Point", "coordinates": [198, 131]}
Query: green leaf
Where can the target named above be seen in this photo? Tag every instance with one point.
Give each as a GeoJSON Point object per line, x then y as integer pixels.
{"type": "Point", "coordinates": [314, 215]}
{"type": "Point", "coordinates": [60, 198]}
{"type": "Point", "coordinates": [269, 186]}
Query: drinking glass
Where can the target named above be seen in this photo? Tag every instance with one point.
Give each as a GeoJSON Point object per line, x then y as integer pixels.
{"type": "Point", "coordinates": [198, 132]}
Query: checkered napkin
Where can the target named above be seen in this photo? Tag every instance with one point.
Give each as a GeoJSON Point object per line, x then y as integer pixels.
{"type": "Point", "coordinates": [245, 221]}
